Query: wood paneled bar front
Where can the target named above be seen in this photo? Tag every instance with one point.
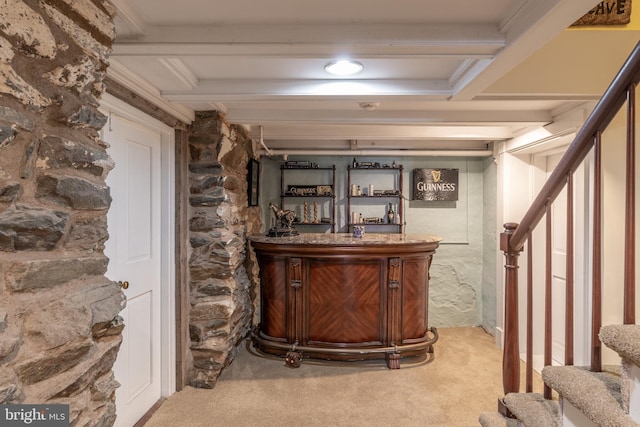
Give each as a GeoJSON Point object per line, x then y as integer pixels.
{"type": "Point", "coordinates": [338, 297]}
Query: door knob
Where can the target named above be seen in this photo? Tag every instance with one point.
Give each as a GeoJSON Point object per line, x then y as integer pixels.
{"type": "Point", "coordinates": [124, 285]}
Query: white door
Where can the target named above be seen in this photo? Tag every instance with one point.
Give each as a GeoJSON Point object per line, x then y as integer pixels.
{"type": "Point", "coordinates": [134, 250]}
{"type": "Point", "coordinates": [558, 270]}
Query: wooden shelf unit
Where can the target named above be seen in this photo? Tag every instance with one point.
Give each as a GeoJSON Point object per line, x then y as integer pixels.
{"type": "Point", "coordinates": [331, 198]}
{"type": "Point", "coordinates": [395, 199]}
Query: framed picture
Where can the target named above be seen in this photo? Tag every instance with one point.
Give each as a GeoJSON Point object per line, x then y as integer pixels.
{"type": "Point", "coordinates": [253, 180]}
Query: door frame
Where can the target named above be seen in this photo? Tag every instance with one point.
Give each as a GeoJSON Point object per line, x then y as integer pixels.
{"type": "Point", "coordinates": [111, 105]}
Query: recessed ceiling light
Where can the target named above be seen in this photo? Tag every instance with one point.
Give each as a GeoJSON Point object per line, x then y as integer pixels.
{"type": "Point", "coordinates": [343, 67]}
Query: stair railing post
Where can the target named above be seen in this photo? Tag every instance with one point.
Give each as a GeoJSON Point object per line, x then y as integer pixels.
{"type": "Point", "coordinates": [511, 350]}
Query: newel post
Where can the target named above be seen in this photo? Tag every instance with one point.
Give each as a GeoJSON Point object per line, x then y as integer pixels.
{"type": "Point", "coordinates": [511, 351]}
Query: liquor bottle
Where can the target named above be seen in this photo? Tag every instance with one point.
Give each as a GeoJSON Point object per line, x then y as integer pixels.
{"type": "Point", "coordinates": [391, 214]}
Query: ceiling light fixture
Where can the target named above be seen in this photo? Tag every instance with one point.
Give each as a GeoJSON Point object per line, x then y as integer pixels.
{"type": "Point", "coordinates": [343, 67]}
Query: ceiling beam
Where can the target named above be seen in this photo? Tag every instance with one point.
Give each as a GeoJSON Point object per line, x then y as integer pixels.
{"type": "Point", "coordinates": [361, 144]}
{"type": "Point", "coordinates": [383, 132]}
{"type": "Point", "coordinates": [467, 118]}
{"type": "Point", "coordinates": [241, 89]}
{"type": "Point", "coordinates": [433, 39]}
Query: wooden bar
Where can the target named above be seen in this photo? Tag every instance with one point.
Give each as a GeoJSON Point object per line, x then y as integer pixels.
{"type": "Point", "coordinates": [629, 314]}
{"type": "Point", "coordinates": [344, 298]}
{"type": "Point", "coordinates": [295, 266]}
{"type": "Point", "coordinates": [596, 287]}
{"type": "Point", "coordinates": [569, 282]}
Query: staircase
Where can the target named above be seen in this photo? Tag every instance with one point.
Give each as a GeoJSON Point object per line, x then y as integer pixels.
{"type": "Point", "coordinates": [586, 398]}
{"type": "Point", "coordinates": [580, 396]}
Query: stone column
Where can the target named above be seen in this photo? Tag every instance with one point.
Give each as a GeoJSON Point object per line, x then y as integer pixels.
{"type": "Point", "coordinates": [59, 330]}
{"type": "Point", "coordinates": [221, 293]}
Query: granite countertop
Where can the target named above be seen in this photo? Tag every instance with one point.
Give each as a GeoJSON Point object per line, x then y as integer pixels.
{"type": "Point", "coordinates": [347, 239]}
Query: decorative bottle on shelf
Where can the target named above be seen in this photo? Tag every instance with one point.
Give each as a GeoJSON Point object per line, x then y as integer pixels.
{"type": "Point", "coordinates": [391, 214]}
{"type": "Point", "coordinates": [359, 191]}
{"type": "Point", "coordinates": [360, 219]}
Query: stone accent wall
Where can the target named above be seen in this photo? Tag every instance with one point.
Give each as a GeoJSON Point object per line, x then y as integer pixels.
{"type": "Point", "coordinates": [221, 293]}
{"type": "Point", "coordinates": [59, 330]}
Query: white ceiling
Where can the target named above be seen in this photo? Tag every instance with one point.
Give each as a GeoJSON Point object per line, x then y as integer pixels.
{"type": "Point", "coordinates": [438, 74]}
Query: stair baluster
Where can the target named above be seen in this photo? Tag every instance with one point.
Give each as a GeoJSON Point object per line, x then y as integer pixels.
{"type": "Point", "coordinates": [630, 213]}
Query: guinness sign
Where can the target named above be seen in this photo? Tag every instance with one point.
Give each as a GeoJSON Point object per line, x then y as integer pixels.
{"type": "Point", "coordinates": [435, 184]}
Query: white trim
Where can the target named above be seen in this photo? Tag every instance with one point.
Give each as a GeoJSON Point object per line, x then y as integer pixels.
{"type": "Point", "coordinates": [168, 304]}
{"type": "Point", "coordinates": [572, 416]}
{"type": "Point", "coordinates": [634, 392]}
{"type": "Point", "coordinates": [138, 85]}
{"type": "Point", "coordinates": [129, 18]}
{"type": "Point", "coordinates": [180, 71]}
{"type": "Point", "coordinates": [110, 104]}
{"type": "Point", "coordinates": [499, 339]}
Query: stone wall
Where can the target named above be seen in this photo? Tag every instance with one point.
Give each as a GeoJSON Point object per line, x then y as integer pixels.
{"type": "Point", "coordinates": [59, 330]}
{"type": "Point", "coordinates": [220, 287]}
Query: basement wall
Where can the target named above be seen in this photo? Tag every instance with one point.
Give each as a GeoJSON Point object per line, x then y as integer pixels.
{"type": "Point", "coordinates": [59, 325]}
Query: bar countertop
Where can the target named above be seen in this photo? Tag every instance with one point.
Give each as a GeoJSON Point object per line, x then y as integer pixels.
{"type": "Point", "coordinates": [347, 239]}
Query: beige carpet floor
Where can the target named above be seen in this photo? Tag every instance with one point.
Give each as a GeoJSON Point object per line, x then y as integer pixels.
{"type": "Point", "coordinates": [460, 381]}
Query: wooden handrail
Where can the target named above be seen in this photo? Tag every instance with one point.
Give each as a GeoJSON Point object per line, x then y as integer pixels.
{"type": "Point", "coordinates": [599, 119]}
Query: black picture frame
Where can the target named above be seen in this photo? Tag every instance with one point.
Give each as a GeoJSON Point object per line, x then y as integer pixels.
{"type": "Point", "coordinates": [253, 181]}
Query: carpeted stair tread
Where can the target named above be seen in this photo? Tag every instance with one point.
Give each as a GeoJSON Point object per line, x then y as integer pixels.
{"type": "Point", "coordinates": [596, 394]}
{"type": "Point", "coordinates": [532, 409]}
{"type": "Point", "coordinates": [624, 339]}
{"type": "Point", "coordinates": [495, 419]}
